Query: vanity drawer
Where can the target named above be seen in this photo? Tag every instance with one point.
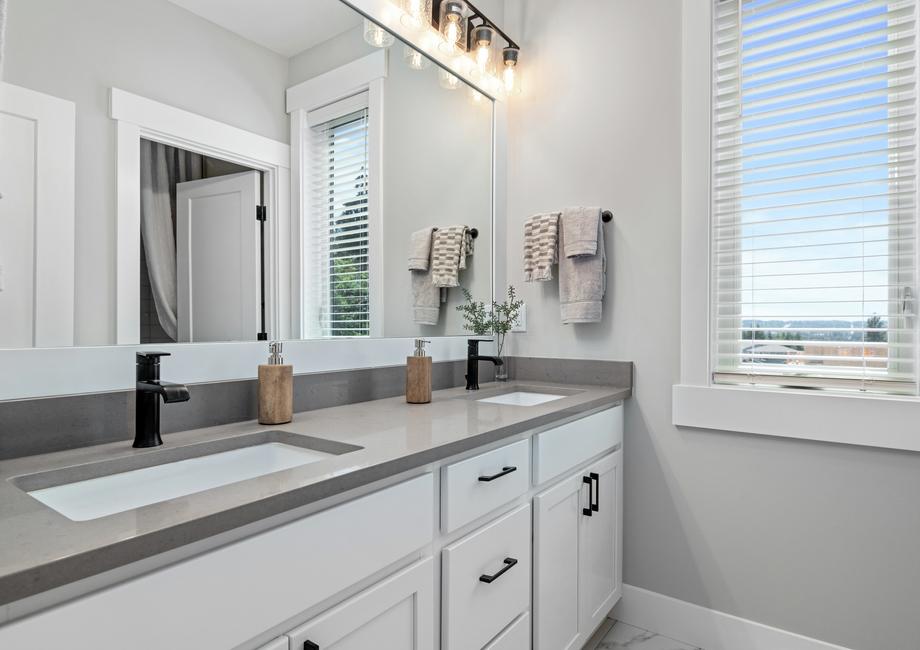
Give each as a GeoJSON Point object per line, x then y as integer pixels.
{"type": "Point", "coordinates": [514, 637]}
{"type": "Point", "coordinates": [479, 485]}
{"type": "Point", "coordinates": [557, 450]}
{"type": "Point", "coordinates": [281, 643]}
{"type": "Point", "coordinates": [486, 581]}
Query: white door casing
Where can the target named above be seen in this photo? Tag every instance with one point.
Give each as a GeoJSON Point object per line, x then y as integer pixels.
{"type": "Point", "coordinates": [37, 133]}
{"type": "Point", "coordinates": [218, 258]}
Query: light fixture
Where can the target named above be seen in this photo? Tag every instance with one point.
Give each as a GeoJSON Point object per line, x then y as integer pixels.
{"type": "Point", "coordinates": [509, 74]}
{"type": "Point", "coordinates": [464, 28]}
{"type": "Point", "coordinates": [376, 35]}
{"type": "Point", "coordinates": [482, 45]}
{"type": "Point", "coordinates": [452, 25]}
{"type": "Point", "coordinates": [416, 14]}
{"type": "Point", "coordinates": [448, 80]}
{"type": "Point", "coordinates": [415, 59]}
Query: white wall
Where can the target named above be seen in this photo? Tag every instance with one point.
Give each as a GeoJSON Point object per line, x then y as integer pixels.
{"type": "Point", "coordinates": [78, 50]}
{"type": "Point", "coordinates": [819, 539]}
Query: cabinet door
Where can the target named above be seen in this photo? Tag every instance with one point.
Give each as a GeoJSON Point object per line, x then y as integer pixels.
{"type": "Point", "coordinates": [600, 543]}
{"type": "Point", "coordinates": [396, 614]}
{"type": "Point", "coordinates": [557, 515]}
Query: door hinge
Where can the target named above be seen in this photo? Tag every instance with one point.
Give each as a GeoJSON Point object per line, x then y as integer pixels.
{"type": "Point", "coordinates": [261, 213]}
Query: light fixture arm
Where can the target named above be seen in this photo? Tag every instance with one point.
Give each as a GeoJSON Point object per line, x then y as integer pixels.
{"type": "Point", "coordinates": [476, 15]}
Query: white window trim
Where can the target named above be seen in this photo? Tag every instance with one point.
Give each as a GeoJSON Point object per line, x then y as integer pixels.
{"type": "Point", "coordinates": [867, 420]}
{"type": "Point", "coordinates": [366, 74]}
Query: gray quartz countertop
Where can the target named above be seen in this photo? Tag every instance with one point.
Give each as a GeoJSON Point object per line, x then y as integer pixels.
{"type": "Point", "coordinates": [41, 549]}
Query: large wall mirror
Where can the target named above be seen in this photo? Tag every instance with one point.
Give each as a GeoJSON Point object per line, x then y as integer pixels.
{"type": "Point", "coordinates": [200, 170]}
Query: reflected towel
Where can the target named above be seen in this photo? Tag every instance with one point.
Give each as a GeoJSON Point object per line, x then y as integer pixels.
{"type": "Point", "coordinates": [450, 247]}
{"type": "Point", "coordinates": [541, 246]}
{"type": "Point", "coordinates": [420, 249]}
{"type": "Point", "coordinates": [582, 280]}
{"type": "Point", "coordinates": [581, 227]}
{"type": "Point", "coordinates": [426, 298]}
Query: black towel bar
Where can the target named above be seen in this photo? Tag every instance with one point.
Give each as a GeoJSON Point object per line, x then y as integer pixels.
{"type": "Point", "coordinates": [606, 216]}
{"type": "Point", "coordinates": [474, 232]}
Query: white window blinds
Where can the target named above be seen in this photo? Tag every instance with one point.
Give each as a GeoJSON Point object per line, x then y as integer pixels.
{"type": "Point", "coordinates": [337, 244]}
{"type": "Point", "coordinates": [814, 193]}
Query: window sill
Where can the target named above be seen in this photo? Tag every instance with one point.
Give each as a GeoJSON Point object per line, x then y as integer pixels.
{"type": "Point", "coordinates": [866, 420]}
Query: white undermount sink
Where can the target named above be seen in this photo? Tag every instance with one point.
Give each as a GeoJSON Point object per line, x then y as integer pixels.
{"type": "Point", "coordinates": [521, 398]}
{"type": "Point", "coordinates": [92, 498]}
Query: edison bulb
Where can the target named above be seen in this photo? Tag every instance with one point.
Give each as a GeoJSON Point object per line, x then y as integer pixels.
{"type": "Point", "coordinates": [416, 13]}
{"type": "Point", "coordinates": [447, 80]}
{"type": "Point", "coordinates": [509, 79]}
{"type": "Point", "coordinates": [376, 35]}
{"type": "Point", "coordinates": [414, 59]}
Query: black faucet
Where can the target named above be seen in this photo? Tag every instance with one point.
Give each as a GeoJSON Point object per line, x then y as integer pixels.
{"type": "Point", "coordinates": [149, 390]}
{"type": "Point", "coordinates": [472, 362]}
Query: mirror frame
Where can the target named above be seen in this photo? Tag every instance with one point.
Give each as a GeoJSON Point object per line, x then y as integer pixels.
{"type": "Point", "coordinates": [49, 372]}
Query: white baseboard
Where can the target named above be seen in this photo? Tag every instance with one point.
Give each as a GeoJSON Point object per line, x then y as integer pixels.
{"type": "Point", "coordinates": [704, 627]}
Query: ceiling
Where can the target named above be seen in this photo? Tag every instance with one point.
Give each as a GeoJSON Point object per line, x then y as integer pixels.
{"type": "Point", "coordinates": [287, 27]}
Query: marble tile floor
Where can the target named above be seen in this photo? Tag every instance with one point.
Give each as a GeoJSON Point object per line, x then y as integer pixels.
{"type": "Point", "coordinates": [615, 635]}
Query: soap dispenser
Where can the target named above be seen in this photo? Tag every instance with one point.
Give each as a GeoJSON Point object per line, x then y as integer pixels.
{"type": "Point", "coordinates": [276, 388]}
{"type": "Point", "coordinates": [418, 375]}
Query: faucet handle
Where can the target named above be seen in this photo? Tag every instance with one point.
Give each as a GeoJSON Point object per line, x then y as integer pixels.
{"type": "Point", "coordinates": [151, 357]}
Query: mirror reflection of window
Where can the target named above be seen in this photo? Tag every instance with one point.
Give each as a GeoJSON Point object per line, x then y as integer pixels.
{"type": "Point", "coordinates": [337, 275]}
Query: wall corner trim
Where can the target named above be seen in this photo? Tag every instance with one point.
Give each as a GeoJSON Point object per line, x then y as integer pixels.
{"type": "Point", "coordinates": [706, 628]}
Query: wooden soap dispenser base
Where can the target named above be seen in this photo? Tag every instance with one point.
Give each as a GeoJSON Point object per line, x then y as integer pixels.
{"type": "Point", "coordinates": [418, 375]}
{"type": "Point", "coordinates": [276, 388]}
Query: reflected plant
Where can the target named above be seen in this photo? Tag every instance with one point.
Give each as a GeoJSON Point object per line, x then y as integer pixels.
{"type": "Point", "coordinates": [498, 320]}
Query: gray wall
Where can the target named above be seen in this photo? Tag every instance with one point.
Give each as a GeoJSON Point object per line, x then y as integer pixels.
{"type": "Point", "coordinates": [819, 539]}
{"type": "Point", "coordinates": [78, 50]}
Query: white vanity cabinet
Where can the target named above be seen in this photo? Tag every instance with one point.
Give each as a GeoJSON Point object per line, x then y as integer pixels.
{"type": "Point", "coordinates": [396, 613]}
{"type": "Point", "coordinates": [518, 546]}
{"type": "Point", "coordinates": [577, 554]}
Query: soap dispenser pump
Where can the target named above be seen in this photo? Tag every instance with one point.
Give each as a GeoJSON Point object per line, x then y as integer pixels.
{"type": "Point", "coordinates": [276, 388]}
{"type": "Point", "coordinates": [418, 375]}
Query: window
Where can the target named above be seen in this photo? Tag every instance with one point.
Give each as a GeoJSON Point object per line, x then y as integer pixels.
{"type": "Point", "coordinates": [337, 237]}
{"type": "Point", "coordinates": [814, 194]}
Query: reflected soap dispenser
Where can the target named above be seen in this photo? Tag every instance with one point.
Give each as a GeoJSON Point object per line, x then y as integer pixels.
{"type": "Point", "coordinates": [418, 375]}
{"type": "Point", "coordinates": [276, 388]}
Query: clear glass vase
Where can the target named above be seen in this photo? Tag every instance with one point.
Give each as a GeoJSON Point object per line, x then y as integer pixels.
{"type": "Point", "coordinates": [501, 372]}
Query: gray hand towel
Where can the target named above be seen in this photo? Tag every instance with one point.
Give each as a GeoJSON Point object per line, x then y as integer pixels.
{"type": "Point", "coordinates": [581, 231]}
{"type": "Point", "coordinates": [541, 246]}
{"type": "Point", "coordinates": [420, 249]}
{"type": "Point", "coordinates": [582, 280]}
{"type": "Point", "coordinates": [450, 247]}
{"type": "Point", "coordinates": [426, 298]}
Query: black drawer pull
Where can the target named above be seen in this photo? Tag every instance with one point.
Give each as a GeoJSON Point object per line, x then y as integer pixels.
{"type": "Point", "coordinates": [596, 503]}
{"type": "Point", "coordinates": [588, 512]}
{"type": "Point", "coordinates": [509, 562]}
{"type": "Point", "coordinates": [309, 645]}
{"type": "Point", "coordinates": [505, 471]}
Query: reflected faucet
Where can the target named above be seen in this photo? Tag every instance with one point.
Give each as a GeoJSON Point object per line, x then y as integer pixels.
{"type": "Point", "coordinates": [149, 390]}
{"type": "Point", "coordinates": [472, 362]}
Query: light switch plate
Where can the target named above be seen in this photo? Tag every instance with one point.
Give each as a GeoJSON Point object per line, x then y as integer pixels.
{"type": "Point", "coordinates": [520, 323]}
